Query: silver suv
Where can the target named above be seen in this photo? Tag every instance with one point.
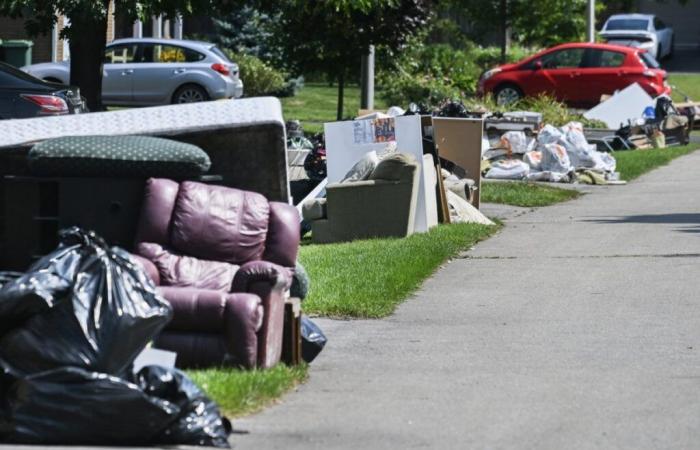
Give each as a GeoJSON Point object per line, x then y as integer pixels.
{"type": "Point", "coordinates": [144, 72]}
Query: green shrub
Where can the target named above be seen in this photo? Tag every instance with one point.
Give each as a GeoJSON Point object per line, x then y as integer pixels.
{"type": "Point", "coordinates": [259, 78]}
{"type": "Point", "coordinates": [431, 73]}
{"type": "Point", "coordinates": [405, 88]}
{"type": "Point", "coordinates": [553, 112]}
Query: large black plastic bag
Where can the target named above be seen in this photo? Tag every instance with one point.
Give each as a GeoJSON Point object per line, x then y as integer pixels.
{"type": "Point", "coordinates": [312, 339]}
{"type": "Point", "coordinates": [73, 406]}
{"type": "Point", "coordinates": [84, 305]}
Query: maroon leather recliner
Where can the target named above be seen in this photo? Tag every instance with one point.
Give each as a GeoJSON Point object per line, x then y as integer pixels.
{"type": "Point", "coordinates": [223, 258]}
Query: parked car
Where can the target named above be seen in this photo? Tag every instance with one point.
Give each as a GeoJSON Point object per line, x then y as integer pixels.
{"type": "Point", "coordinates": [576, 74]}
{"type": "Point", "coordinates": [644, 31]}
{"type": "Point", "coordinates": [23, 96]}
{"type": "Point", "coordinates": [146, 72]}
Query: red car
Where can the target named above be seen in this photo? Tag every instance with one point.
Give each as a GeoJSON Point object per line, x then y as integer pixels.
{"type": "Point", "coordinates": [577, 74]}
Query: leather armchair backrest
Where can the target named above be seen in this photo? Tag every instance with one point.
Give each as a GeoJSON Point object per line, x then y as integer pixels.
{"type": "Point", "coordinates": [156, 211]}
{"type": "Point", "coordinates": [219, 223]}
{"type": "Point", "coordinates": [283, 235]}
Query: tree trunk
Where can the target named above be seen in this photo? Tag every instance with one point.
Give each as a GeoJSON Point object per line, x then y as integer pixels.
{"type": "Point", "coordinates": [504, 30]}
{"type": "Point", "coordinates": [88, 38]}
{"type": "Point", "coordinates": [341, 95]}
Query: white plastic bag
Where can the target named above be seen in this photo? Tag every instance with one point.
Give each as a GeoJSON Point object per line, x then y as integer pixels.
{"type": "Point", "coordinates": [508, 169]}
{"type": "Point", "coordinates": [555, 159]}
{"type": "Point", "coordinates": [548, 135]}
{"type": "Point", "coordinates": [534, 160]}
{"type": "Point", "coordinates": [516, 141]}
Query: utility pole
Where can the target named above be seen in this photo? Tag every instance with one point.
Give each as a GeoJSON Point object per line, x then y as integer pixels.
{"type": "Point", "coordinates": [590, 21]}
{"type": "Point", "coordinates": [367, 88]}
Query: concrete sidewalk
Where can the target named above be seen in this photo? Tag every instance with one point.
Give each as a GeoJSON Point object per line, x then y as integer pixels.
{"type": "Point", "coordinates": [578, 326]}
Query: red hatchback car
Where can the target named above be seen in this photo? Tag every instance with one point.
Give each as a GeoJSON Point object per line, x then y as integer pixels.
{"type": "Point", "coordinates": [577, 74]}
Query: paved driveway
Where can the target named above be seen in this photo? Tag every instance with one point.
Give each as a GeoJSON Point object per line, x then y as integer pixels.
{"type": "Point", "coordinates": [578, 326]}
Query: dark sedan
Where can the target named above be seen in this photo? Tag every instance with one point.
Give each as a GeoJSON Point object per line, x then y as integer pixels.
{"type": "Point", "coordinates": [23, 96]}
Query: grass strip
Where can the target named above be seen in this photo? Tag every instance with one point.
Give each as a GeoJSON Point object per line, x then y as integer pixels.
{"type": "Point", "coordinates": [518, 193]}
{"type": "Point", "coordinates": [633, 163]}
{"type": "Point", "coordinates": [316, 103]}
{"type": "Point", "coordinates": [240, 392]}
{"type": "Point", "coordinates": [369, 278]}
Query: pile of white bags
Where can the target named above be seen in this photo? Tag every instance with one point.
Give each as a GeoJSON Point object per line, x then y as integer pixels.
{"type": "Point", "coordinates": [555, 154]}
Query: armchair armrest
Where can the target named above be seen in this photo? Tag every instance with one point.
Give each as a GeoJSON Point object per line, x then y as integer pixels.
{"type": "Point", "coordinates": [148, 267]}
{"type": "Point", "coordinates": [270, 282]}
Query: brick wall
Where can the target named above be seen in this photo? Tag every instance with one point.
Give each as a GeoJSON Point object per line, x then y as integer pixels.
{"type": "Point", "coordinates": [14, 29]}
{"type": "Point", "coordinates": [41, 51]}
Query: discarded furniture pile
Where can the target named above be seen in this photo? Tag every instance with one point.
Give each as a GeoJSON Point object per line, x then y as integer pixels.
{"type": "Point", "coordinates": [391, 175]}
{"type": "Point", "coordinates": [190, 261]}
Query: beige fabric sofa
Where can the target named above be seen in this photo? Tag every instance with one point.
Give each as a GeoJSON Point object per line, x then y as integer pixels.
{"type": "Point", "coordinates": [384, 205]}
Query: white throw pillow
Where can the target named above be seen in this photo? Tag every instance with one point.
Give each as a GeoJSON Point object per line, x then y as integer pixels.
{"type": "Point", "coordinates": [362, 168]}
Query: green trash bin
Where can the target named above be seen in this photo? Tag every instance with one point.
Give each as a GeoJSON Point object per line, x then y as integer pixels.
{"type": "Point", "coordinates": [17, 53]}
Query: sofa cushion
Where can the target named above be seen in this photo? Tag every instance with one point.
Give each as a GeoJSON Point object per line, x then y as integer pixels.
{"type": "Point", "coordinates": [219, 223]}
{"type": "Point", "coordinates": [314, 209]}
{"type": "Point", "coordinates": [117, 156]}
{"type": "Point", "coordinates": [395, 167]}
{"type": "Point", "coordinates": [187, 271]}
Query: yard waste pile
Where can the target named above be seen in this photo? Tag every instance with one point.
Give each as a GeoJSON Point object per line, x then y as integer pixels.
{"type": "Point", "coordinates": [70, 329]}
{"type": "Point", "coordinates": [555, 155]}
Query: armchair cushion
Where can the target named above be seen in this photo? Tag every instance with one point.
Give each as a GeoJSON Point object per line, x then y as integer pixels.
{"type": "Point", "coordinates": [187, 271]}
{"type": "Point", "coordinates": [219, 223]}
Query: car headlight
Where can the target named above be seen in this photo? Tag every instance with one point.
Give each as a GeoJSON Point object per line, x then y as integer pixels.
{"type": "Point", "coordinates": [489, 73]}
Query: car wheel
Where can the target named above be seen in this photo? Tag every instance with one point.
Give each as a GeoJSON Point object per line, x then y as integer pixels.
{"type": "Point", "coordinates": [190, 93]}
{"type": "Point", "coordinates": [507, 94]}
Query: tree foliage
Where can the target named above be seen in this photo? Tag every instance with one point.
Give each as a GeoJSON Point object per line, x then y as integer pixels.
{"type": "Point", "coordinates": [330, 36]}
{"type": "Point", "coordinates": [250, 31]}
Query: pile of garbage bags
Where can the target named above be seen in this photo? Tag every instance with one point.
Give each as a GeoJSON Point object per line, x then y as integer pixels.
{"type": "Point", "coordinates": [554, 155]}
{"type": "Point", "coordinates": [70, 329]}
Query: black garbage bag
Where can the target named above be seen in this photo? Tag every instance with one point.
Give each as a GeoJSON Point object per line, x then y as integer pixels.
{"type": "Point", "coordinates": [198, 421]}
{"type": "Point", "coordinates": [85, 305]}
{"type": "Point", "coordinates": [312, 339]}
{"type": "Point", "coordinates": [71, 406]}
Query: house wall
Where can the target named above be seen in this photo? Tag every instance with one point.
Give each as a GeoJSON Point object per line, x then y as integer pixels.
{"type": "Point", "coordinates": [14, 29]}
{"type": "Point", "coordinates": [42, 49]}
{"type": "Point", "coordinates": [684, 19]}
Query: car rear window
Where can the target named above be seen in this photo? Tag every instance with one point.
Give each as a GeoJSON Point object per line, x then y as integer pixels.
{"type": "Point", "coordinates": [9, 75]}
{"type": "Point", "coordinates": [162, 53]}
{"type": "Point", "coordinates": [215, 50]}
{"type": "Point", "coordinates": [649, 60]}
{"type": "Point", "coordinates": [604, 58]}
{"type": "Point", "coordinates": [627, 24]}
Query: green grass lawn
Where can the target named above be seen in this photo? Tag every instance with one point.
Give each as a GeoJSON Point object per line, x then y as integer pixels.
{"type": "Point", "coordinates": [634, 163]}
{"type": "Point", "coordinates": [518, 193]}
{"type": "Point", "coordinates": [688, 83]}
{"type": "Point", "coordinates": [316, 103]}
{"type": "Point", "coordinates": [240, 392]}
{"type": "Point", "coordinates": [368, 279]}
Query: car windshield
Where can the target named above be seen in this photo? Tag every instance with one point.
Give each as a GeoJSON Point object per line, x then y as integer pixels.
{"type": "Point", "coordinates": [215, 50]}
{"type": "Point", "coordinates": [649, 60]}
{"type": "Point", "coordinates": [627, 24]}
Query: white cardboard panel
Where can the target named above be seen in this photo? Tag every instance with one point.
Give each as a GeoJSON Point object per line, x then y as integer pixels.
{"type": "Point", "coordinates": [627, 104]}
{"type": "Point", "coordinates": [342, 153]}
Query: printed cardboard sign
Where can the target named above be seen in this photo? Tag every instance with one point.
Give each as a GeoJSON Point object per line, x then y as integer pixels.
{"type": "Point", "coordinates": [373, 131]}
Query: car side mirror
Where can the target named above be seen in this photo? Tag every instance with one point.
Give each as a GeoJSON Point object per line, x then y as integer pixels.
{"type": "Point", "coordinates": [537, 65]}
